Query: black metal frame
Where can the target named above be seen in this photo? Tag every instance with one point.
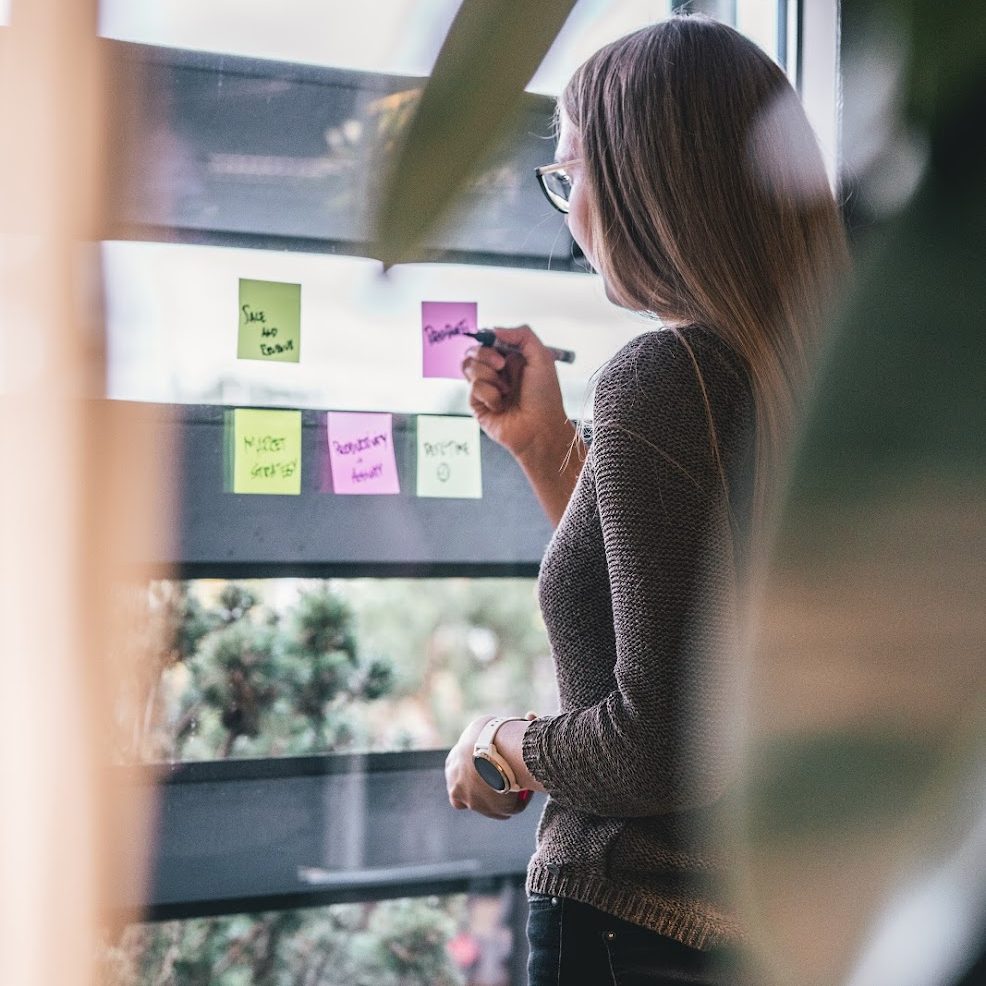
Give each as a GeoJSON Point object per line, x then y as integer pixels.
{"type": "Point", "coordinates": [149, 233]}
{"type": "Point", "coordinates": [318, 534]}
{"type": "Point", "coordinates": [497, 852]}
{"type": "Point", "coordinates": [301, 799]}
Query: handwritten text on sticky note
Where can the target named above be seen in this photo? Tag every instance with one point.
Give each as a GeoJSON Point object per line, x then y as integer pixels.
{"type": "Point", "coordinates": [443, 342]}
{"type": "Point", "coordinates": [270, 321]}
{"type": "Point", "coordinates": [361, 453]}
{"type": "Point", "coordinates": [449, 457]}
{"type": "Point", "coordinates": [266, 451]}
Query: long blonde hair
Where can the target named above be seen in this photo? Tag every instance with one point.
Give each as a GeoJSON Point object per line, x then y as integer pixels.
{"type": "Point", "coordinates": [711, 206]}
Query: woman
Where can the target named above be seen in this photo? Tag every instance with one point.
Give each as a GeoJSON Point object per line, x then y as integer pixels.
{"type": "Point", "coordinates": [695, 187]}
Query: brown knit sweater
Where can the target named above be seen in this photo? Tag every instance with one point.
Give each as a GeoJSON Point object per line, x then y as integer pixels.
{"type": "Point", "coordinates": [638, 592]}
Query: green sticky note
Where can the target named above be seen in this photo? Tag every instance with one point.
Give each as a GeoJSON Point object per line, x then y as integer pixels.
{"type": "Point", "coordinates": [449, 457]}
{"type": "Point", "coordinates": [266, 450]}
{"type": "Point", "coordinates": [270, 321]}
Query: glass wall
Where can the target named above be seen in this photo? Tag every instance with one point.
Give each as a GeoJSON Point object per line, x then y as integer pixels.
{"type": "Point", "coordinates": [252, 138]}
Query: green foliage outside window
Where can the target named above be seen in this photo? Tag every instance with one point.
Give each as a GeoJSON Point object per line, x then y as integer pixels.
{"type": "Point", "coordinates": [390, 943]}
{"type": "Point", "coordinates": [299, 667]}
{"type": "Point", "coordinates": [296, 667]}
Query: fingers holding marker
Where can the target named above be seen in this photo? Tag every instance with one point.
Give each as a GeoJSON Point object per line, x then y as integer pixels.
{"type": "Point", "coordinates": [486, 355]}
{"type": "Point", "coordinates": [491, 387]}
{"type": "Point", "coordinates": [477, 371]}
{"type": "Point", "coordinates": [493, 393]}
{"type": "Point", "coordinates": [486, 394]}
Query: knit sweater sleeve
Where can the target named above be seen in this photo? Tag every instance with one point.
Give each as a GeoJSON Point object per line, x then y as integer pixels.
{"type": "Point", "coordinates": [660, 740]}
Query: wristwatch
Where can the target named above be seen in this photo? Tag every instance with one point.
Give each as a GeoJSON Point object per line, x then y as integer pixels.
{"type": "Point", "coordinates": [490, 764]}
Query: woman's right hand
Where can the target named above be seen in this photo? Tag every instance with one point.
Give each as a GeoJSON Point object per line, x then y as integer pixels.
{"type": "Point", "coordinates": [516, 397]}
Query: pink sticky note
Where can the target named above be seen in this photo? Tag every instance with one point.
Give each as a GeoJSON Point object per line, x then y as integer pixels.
{"type": "Point", "coordinates": [443, 343]}
{"type": "Point", "coordinates": [361, 453]}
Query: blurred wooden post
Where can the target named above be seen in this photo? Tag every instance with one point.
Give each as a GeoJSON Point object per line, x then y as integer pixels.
{"type": "Point", "coordinates": [73, 497]}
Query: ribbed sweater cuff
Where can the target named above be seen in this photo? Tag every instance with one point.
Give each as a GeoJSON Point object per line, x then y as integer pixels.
{"type": "Point", "coordinates": [534, 752]}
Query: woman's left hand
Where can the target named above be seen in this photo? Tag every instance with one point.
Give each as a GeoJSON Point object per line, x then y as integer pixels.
{"type": "Point", "coordinates": [466, 789]}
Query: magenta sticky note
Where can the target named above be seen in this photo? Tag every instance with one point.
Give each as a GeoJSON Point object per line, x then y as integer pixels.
{"type": "Point", "coordinates": [361, 452]}
{"type": "Point", "coordinates": [443, 339]}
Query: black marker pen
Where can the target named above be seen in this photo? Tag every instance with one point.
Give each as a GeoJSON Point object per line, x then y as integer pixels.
{"type": "Point", "coordinates": [487, 337]}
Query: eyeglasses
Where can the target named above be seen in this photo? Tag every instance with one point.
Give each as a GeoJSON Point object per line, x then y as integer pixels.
{"type": "Point", "coordinates": [556, 183]}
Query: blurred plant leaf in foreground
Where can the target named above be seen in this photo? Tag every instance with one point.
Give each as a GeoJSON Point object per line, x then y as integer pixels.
{"type": "Point", "coordinates": [868, 681]}
{"type": "Point", "coordinates": [474, 93]}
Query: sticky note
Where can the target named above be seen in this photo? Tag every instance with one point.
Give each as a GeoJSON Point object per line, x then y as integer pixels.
{"type": "Point", "coordinates": [361, 453]}
{"type": "Point", "coordinates": [443, 344]}
{"type": "Point", "coordinates": [266, 450]}
{"type": "Point", "coordinates": [270, 321]}
{"type": "Point", "coordinates": [449, 457]}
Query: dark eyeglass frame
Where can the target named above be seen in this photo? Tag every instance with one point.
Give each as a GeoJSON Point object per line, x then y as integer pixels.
{"type": "Point", "coordinates": [560, 204]}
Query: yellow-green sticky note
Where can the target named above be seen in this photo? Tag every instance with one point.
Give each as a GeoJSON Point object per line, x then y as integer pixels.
{"type": "Point", "coordinates": [449, 457]}
{"type": "Point", "coordinates": [266, 447]}
{"type": "Point", "coordinates": [270, 321]}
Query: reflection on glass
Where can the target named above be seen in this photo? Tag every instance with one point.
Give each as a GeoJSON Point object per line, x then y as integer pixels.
{"type": "Point", "coordinates": [457, 940]}
{"type": "Point", "coordinates": [289, 667]}
{"type": "Point", "coordinates": [261, 153]}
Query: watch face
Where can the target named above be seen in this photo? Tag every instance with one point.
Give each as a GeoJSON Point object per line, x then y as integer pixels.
{"type": "Point", "coordinates": [489, 772]}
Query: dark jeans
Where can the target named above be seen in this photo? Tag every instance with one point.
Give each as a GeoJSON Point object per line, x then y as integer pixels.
{"type": "Point", "coordinates": [572, 944]}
